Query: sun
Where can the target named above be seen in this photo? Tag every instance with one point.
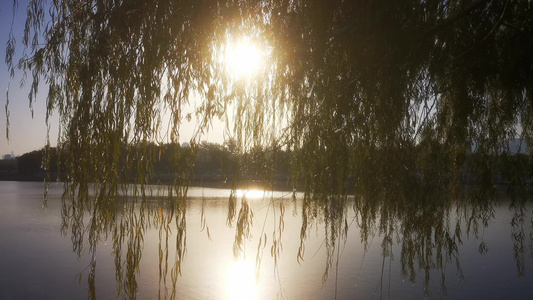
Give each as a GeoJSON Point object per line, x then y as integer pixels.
{"type": "Point", "coordinates": [243, 58]}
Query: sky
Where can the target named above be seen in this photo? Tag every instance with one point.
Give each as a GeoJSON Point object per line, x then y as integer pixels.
{"type": "Point", "coordinates": [28, 133]}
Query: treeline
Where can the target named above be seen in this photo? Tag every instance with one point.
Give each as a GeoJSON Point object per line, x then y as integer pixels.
{"type": "Point", "coordinates": [211, 164]}
{"type": "Point", "coordinates": [202, 164]}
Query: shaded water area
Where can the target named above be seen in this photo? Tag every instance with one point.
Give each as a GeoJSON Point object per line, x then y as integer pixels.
{"type": "Point", "coordinates": [37, 261]}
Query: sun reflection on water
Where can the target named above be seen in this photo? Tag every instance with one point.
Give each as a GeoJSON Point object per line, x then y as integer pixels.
{"type": "Point", "coordinates": [240, 281]}
{"type": "Point", "coordinates": [250, 194]}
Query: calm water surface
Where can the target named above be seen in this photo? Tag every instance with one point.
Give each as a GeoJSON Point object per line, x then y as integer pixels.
{"type": "Point", "coordinates": [37, 262]}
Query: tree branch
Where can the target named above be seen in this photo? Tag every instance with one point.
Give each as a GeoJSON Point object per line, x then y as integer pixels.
{"type": "Point", "coordinates": [452, 19]}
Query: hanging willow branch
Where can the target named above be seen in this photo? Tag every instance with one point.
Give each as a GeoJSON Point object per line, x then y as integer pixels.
{"type": "Point", "coordinates": [379, 99]}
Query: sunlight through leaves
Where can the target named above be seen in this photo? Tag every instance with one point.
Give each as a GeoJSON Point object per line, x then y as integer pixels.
{"type": "Point", "coordinates": [243, 58]}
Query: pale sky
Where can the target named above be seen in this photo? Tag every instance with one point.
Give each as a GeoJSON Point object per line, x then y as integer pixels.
{"type": "Point", "coordinates": [27, 133]}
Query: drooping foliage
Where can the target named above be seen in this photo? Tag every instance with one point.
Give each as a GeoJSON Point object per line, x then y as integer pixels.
{"type": "Point", "coordinates": [384, 99]}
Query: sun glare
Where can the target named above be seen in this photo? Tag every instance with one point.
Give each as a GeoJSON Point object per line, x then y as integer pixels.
{"type": "Point", "coordinates": [251, 194]}
{"type": "Point", "coordinates": [241, 281]}
{"type": "Point", "coordinates": [243, 58]}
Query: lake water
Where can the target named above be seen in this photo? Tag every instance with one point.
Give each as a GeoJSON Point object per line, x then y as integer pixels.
{"type": "Point", "coordinates": [37, 261]}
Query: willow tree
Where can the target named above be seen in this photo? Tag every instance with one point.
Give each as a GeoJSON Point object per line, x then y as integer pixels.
{"type": "Point", "coordinates": [384, 99]}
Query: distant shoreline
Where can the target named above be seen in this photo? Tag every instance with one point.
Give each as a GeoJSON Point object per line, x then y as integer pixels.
{"type": "Point", "coordinates": [206, 182]}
